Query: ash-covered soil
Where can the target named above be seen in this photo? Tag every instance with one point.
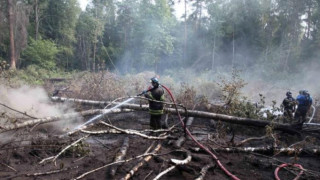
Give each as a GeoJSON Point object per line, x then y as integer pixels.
{"type": "Point", "coordinates": [20, 155]}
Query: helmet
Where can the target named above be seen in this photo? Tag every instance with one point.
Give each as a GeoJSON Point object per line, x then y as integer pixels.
{"type": "Point", "coordinates": [301, 92]}
{"type": "Point", "coordinates": [288, 94]}
{"type": "Point", "coordinates": [155, 81]}
{"type": "Point", "coordinates": [305, 92]}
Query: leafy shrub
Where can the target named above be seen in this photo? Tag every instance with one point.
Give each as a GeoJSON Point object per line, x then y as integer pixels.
{"type": "Point", "coordinates": [40, 52]}
{"type": "Point", "coordinates": [37, 75]}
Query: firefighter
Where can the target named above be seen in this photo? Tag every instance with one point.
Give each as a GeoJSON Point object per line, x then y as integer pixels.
{"type": "Point", "coordinates": [155, 92]}
{"type": "Point", "coordinates": [304, 103]}
{"type": "Point", "coordinates": [289, 106]}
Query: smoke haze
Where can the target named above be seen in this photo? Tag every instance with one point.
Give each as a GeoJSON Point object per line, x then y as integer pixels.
{"type": "Point", "coordinates": [35, 102]}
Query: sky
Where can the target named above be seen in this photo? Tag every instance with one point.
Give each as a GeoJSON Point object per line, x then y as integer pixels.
{"type": "Point", "coordinates": [179, 7]}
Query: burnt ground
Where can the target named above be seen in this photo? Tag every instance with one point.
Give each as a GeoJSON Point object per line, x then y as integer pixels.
{"type": "Point", "coordinates": [20, 156]}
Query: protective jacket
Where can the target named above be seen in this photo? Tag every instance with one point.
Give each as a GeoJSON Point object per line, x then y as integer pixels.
{"type": "Point", "coordinates": [155, 93]}
{"type": "Point", "coordinates": [304, 100]}
{"type": "Point", "coordinates": [289, 103]}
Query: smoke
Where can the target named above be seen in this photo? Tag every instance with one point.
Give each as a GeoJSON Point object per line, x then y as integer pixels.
{"type": "Point", "coordinates": [35, 102]}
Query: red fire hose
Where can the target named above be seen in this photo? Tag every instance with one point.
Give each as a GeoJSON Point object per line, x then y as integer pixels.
{"type": "Point", "coordinates": [285, 165]}
{"type": "Point", "coordinates": [198, 143]}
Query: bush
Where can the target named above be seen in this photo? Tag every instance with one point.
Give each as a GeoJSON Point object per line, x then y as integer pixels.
{"type": "Point", "coordinates": [41, 53]}
{"type": "Point", "coordinates": [36, 75]}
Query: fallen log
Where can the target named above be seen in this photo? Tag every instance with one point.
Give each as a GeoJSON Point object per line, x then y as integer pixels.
{"type": "Point", "coordinates": [141, 163]}
{"type": "Point", "coordinates": [266, 150]}
{"type": "Point", "coordinates": [70, 116]}
{"type": "Point", "coordinates": [189, 113]}
{"type": "Point", "coordinates": [120, 156]}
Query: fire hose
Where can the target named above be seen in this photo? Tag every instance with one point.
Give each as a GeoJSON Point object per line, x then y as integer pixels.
{"type": "Point", "coordinates": [197, 142]}
{"type": "Point", "coordinates": [285, 165]}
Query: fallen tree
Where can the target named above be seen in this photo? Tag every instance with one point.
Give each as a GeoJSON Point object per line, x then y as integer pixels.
{"type": "Point", "coordinates": [266, 150]}
{"type": "Point", "coordinates": [69, 116]}
{"type": "Point", "coordinates": [189, 113]}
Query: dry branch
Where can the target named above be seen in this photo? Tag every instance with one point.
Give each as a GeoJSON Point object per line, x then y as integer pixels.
{"type": "Point", "coordinates": [191, 113]}
{"type": "Point", "coordinates": [164, 172]}
{"type": "Point", "coordinates": [250, 139]}
{"type": "Point", "coordinates": [120, 155]}
{"type": "Point", "coordinates": [109, 131]}
{"type": "Point", "coordinates": [23, 113]}
{"type": "Point", "coordinates": [176, 162]}
{"type": "Point", "coordinates": [118, 162]}
{"type": "Point", "coordinates": [146, 154]}
{"type": "Point", "coordinates": [184, 161]}
{"type": "Point", "coordinates": [52, 172]}
{"type": "Point", "coordinates": [204, 171]}
{"type": "Point", "coordinates": [134, 132]}
{"type": "Point", "coordinates": [141, 163]}
{"type": "Point", "coordinates": [8, 166]}
{"type": "Point", "coordinates": [53, 158]}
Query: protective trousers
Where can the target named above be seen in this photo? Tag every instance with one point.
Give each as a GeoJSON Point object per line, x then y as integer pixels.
{"type": "Point", "coordinates": [155, 121]}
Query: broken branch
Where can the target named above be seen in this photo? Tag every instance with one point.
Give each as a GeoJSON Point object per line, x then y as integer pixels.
{"type": "Point", "coordinates": [134, 132]}
{"type": "Point", "coordinates": [53, 158]}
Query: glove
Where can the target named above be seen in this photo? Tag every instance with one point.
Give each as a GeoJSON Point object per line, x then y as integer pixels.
{"type": "Point", "coordinates": [143, 92]}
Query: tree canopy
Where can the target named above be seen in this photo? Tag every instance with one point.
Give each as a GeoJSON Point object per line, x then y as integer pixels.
{"type": "Point", "coordinates": [135, 35]}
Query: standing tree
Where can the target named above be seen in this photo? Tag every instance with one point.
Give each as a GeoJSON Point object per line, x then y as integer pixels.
{"type": "Point", "coordinates": [11, 32]}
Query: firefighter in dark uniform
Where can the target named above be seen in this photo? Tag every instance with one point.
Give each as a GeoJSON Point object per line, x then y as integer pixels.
{"type": "Point", "coordinates": [289, 106]}
{"type": "Point", "coordinates": [156, 93]}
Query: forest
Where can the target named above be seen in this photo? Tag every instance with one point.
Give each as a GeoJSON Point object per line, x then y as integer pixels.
{"type": "Point", "coordinates": [131, 36]}
{"type": "Point", "coordinates": [73, 85]}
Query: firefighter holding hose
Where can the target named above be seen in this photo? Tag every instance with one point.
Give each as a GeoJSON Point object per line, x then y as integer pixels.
{"type": "Point", "coordinates": [155, 93]}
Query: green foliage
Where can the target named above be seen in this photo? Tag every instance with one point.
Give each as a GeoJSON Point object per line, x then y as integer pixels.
{"type": "Point", "coordinates": [270, 37]}
{"type": "Point", "coordinates": [42, 53]}
{"type": "Point", "coordinates": [34, 74]}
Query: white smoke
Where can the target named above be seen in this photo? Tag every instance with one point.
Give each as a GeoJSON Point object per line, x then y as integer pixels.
{"type": "Point", "coordinates": [34, 102]}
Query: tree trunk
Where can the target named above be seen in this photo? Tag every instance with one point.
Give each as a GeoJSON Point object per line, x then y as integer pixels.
{"type": "Point", "coordinates": [94, 57]}
{"type": "Point", "coordinates": [12, 46]}
{"type": "Point", "coordinates": [185, 31]}
{"type": "Point", "coordinates": [190, 113]}
{"type": "Point", "coordinates": [36, 10]}
{"type": "Point", "coordinates": [233, 48]}
{"type": "Point", "coordinates": [213, 52]}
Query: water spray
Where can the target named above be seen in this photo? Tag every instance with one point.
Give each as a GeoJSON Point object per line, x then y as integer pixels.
{"type": "Point", "coordinates": [99, 116]}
